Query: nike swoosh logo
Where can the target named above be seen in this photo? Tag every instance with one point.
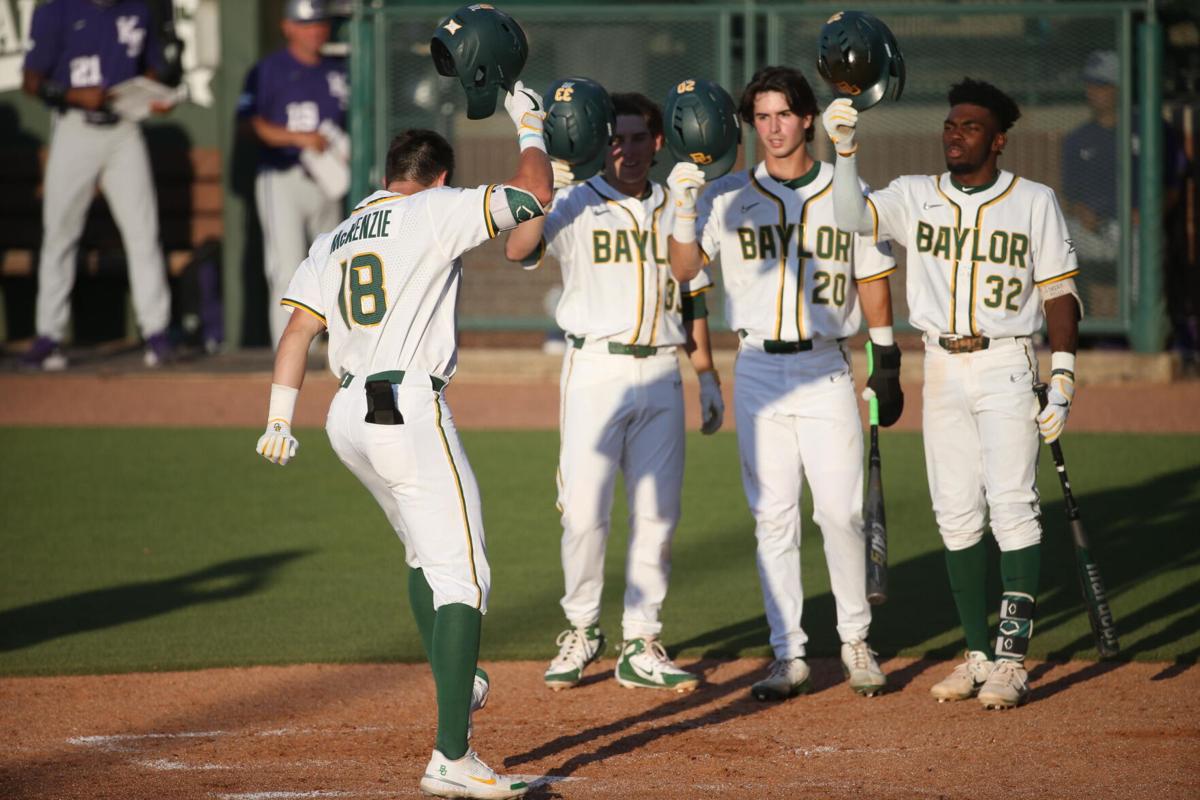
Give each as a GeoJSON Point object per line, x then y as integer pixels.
{"type": "Point", "coordinates": [1070, 245]}
{"type": "Point", "coordinates": [746, 208]}
{"type": "Point", "coordinates": [650, 676]}
{"type": "Point", "coordinates": [928, 206]}
{"type": "Point", "coordinates": [484, 781]}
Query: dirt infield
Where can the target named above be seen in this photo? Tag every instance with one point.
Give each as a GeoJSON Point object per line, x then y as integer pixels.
{"type": "Point", "coordinates": [1092, 731]}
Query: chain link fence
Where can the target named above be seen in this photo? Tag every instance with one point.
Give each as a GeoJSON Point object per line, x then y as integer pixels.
{"type": "Point", "coordinates": [1066, 138]}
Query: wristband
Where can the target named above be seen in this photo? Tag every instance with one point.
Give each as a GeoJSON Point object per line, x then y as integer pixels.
{"type": "Point", "coordinates": [1062, 361]}
{"type": "Point", "coordinates": [282, 405]}
{"type": "Point", "coordinates": [882, 336]}
{"type": "Point", "coordinates": [683, 229]}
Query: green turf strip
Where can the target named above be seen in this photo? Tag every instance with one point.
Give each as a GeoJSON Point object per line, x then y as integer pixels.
{"type": "Point", "coordinates": [148, 549]}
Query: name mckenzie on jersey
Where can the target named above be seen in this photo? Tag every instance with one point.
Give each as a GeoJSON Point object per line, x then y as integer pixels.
{"type": "Point", "coordinates": [372, 226]}
{"type": "Point", "coordinates": [966, 244]}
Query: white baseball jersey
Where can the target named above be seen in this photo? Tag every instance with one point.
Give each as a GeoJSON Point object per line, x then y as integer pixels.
{"type": "Point", "coordinates": [974, 257]}
{"type": "Point", "coordinates": [789, 271]}
{"type": "Point", "coordinates": [617, 282]}
{"type": "Point", "coordinates": [385, 281]}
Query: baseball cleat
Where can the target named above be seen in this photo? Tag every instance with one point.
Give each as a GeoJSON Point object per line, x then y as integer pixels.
{"type": "Point", "coordinates": [1007, 686]}
{"type": "Point", "coordinates": [479, 697]}
{"type": "Point", "coordinates": [861, 668]}
{"type": "Point", "coordinates": [45, 354]}
{"type": "Point", "coordinates": [577, 647]}
{"type": "Point", "coordinates": [966, 679]}
{"type": "Point", "coordinates": [644, 665]}
{"type": "Point", "coordinates": [468, 777]}
{"type": "Point", "coordinates": [787, 677]}
{"type": "Point", "coordinates": [158, 350]}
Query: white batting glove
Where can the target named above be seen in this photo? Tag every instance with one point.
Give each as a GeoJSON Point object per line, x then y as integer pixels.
{"type": "Point", "coordinates": [563, 176]}
{"type": "Point", "coordinates": [684, 185]}
{"type": "Point", "coordinates": [712, 405]}
{"type": "Point", "coordinates": [278, 445]}
{"type": "Point", "coordinates": [1053, 418]}
{"type": "Point", "coordinates": [841, 123]}
{"type": "Point", "coordinates": [524, 107]}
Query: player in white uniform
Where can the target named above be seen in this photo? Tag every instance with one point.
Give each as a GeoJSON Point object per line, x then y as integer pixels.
{"type": "Point", "coordinates": [794, 285]}
{"type": "Point", "coordinates": [988, 252]}
{"type": "Point", "coordinates": [621, 397]}
{"type": "Point", "coordinates": [385, 284]}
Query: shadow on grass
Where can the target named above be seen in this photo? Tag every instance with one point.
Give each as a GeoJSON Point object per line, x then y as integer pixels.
{"type": "Point", "coordinates": [33, 624]}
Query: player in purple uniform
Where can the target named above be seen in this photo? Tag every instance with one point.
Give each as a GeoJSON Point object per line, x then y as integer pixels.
{"type": "Point", "coordinates": [289, 96]}
{"type": "Point", "coordinates": [79, 50]}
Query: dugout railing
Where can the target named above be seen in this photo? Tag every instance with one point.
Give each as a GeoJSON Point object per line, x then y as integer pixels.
{"type": "Point", "coordinates": [1035, 51]}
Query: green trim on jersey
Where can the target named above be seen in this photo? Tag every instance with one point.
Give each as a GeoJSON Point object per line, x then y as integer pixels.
{"type": "Point", "coordinates": [937, 185]}
{"type": "Point", "coordinates": [694, 305]}
{"type": "Point", "coordinates": [974, 189]}
{"type": "Point", "coordinates": [978, 232]}
{"type": "Point", "coordinates": [462, 501]}
{"type": "Point", "coordinates": [287, 301]}
{"type": "Point", "coordinates": [803, 180]}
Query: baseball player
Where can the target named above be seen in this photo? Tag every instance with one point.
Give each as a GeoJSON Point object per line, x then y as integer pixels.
{"type": "Point", "coordinates": [794, 285]}
{"type": "Point", "coordinates": [288, 98]}
{"type": "Point", "coordinates": [384, 283]}
{"type": "Point", "coordinates": [78, 50]}
{"type": "Point", "coordinates": [621, 399]}
{"type": "Point", "coordinates": [988, 256]}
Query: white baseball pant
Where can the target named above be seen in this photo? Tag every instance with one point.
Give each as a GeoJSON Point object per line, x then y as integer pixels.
{"type": "Point", "coordinates": [115, 156]}
{"type": "Point", "coordinates": [619, 412]}
{"type": "Point", "coordinates": [797, 418]}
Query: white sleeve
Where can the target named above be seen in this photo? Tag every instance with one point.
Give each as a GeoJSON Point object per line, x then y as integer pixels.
{"type": "Point", "coordinates": [304, 291]}
{"type": "Point", "coordinates": [872, 260]}
{"type": "Point", "coordinates": [1052, 250]}
{"type": "Point", "coordinates": [461, 219]}
{"type": "Point", "coordinates": [889, 212]}
{"type": "Point", "coordinates": [708, 223]}
{"type": "Point", "coordinates": [559, 233]}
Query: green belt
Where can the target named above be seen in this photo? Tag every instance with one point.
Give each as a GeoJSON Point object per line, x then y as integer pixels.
{"type": "Point", "coordinates": [395, 376]}
{"type": "Point", "coordinates": [618, 349]}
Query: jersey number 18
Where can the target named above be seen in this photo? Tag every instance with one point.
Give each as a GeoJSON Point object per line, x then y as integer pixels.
{"type": "Point", "coordinates": [367, 302]}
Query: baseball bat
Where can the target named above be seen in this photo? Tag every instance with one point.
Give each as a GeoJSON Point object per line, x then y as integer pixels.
{"type": "Point", "coordinates": [1091, 584]}
{"type": "Point", "coordinates": [874, 519]}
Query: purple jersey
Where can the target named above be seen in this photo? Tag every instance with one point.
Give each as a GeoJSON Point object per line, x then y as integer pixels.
{"type": "Point", "coordinates": [296, 96]}
{"type": "Point", "coordinates": [78, 43]}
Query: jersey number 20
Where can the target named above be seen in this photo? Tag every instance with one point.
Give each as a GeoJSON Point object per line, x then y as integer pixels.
{"type": "Point", "coordinates": [368, 302]}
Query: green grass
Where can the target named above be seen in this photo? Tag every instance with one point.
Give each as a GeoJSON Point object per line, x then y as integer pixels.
{"type": "Point", "coordinates": [147, 549]}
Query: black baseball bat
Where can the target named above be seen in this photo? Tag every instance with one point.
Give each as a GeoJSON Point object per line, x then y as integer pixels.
{"type": "Point", "coordinates": [1090, 582]}
{"type": "Point", "coordinates": [874, 519]}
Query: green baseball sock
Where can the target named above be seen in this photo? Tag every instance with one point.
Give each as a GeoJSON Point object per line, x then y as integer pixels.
{"type": "Point", "coordinates": [1020, 571]}
{"type": "Point", "coordinates": [455, 652]}
{"type": "Point", "coordinates": [420, 600]}
{"type": "Point", "coordinates": [968, 583]}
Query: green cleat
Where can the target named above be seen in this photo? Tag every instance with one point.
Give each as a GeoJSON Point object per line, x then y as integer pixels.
{"type": "Point", "coordinates": [644, 665]}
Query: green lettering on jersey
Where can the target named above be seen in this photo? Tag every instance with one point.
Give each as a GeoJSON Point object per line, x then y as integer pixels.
{"type": "Point", "coordinates": [941, 245]}
{"type": "Point", "coordinates": [924, 237]}
{"type": "Point", "coordinates": [639, 238]}
{"type": "Point", "coordinates": [785, 234]}
{"type": "Point", "coordinates": [998, 248]}
{"type": "Point", "coordinates": [622, 253]}
{"type": "Point", "coordinates": [960, 240]}
{"type": "Point", "coordinates": [766, 243]}
{"type": "Point", "coordinates": [841, 251]}
{"type": "Point", "coordinates": [824, 242]}
{"type": "Point", "coordinates": [601, 247]}
{"type": "Point", "coordinates": [746, 239]}
{"type": "Point", "coordinates": [1018, 250]}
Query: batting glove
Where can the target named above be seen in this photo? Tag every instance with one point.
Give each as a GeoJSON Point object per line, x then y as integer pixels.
{"type": "Point", "coordinates": [884, 382]}
{"type": "Point", "coordinates": [684, 185]}
{"type": "Point", "coordinates": [524, 107]}
{"type": "Point", "coordinates": [712, 405]}
{"type": "Point", "coordinates": [563, 176]}
{"type": "Point", "coordinates": [1053, 418]}
{"type": "Point", "coordinates": [278, 445]}
{"type": "Point", "coordinates": [841, 121]}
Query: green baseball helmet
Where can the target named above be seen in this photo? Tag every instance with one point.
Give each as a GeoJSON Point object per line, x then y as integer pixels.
{"type": "Point", "coordinates": [702, 126]}
{"type": "Point", "coordinates": [859, 58]}
{"type": "Point", "coordinates": [579, 124]}
{"type": "Point", "coordinates": [485, 48]}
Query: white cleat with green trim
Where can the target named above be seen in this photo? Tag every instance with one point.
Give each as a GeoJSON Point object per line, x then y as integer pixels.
{"type": "Point", "coordinates": [468, 777]}
{"type": "Point", "coordinates": [644, 665]}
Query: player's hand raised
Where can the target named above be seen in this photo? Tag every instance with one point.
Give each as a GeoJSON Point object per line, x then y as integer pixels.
{"type": "Point", "coordinates": [712, 405]}
{"type": "Point", "coordinates": [841, 123]}
{"type": "Point", "coordinates": [684, 183]}
{"type": "Point", "coordinates": [278, 445]}
{"type": "Point", "coordinates": [524, 107]}
{"type": "Point", "coordinates": [1053, 418]}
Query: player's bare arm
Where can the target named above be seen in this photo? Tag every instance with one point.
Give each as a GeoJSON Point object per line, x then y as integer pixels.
{"type": "Point", "coordinates": [849, 205]}
{"type": "Point", "coordinates": [274, 135]}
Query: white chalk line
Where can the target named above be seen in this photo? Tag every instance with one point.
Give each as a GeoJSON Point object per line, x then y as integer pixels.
{"type": "Point", "coordinates": [534, 781]}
